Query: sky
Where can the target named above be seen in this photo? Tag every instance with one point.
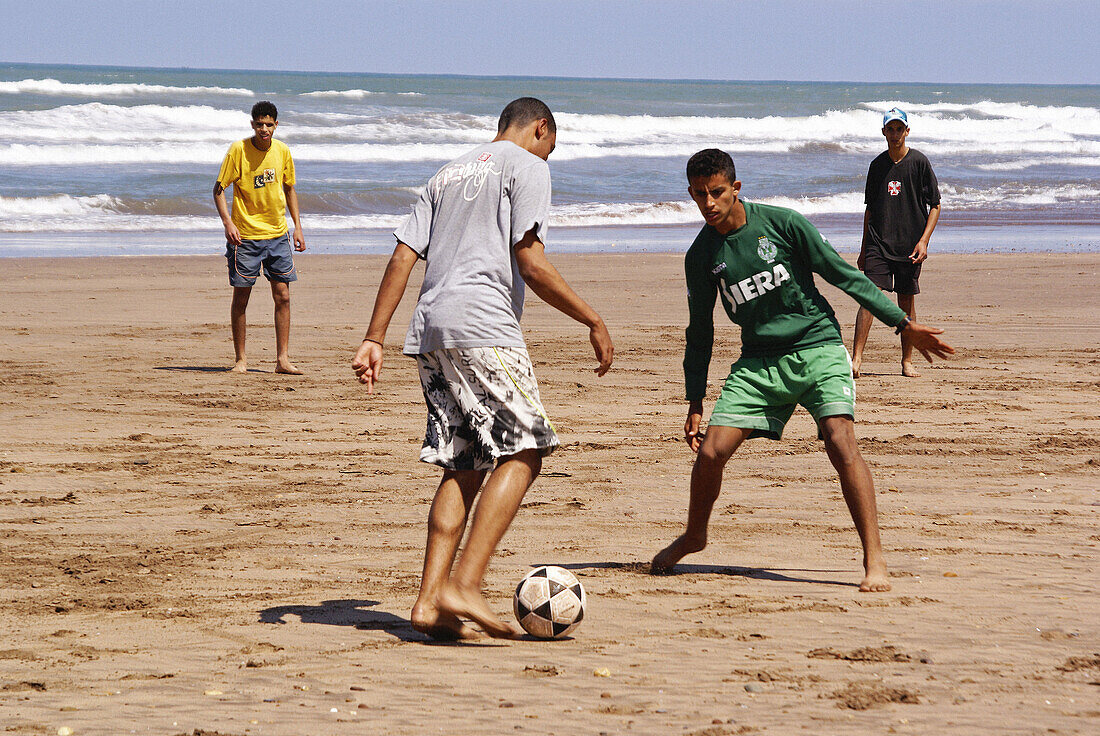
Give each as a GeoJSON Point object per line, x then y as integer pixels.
{"type": "Point", "coordinates": [959, 41]}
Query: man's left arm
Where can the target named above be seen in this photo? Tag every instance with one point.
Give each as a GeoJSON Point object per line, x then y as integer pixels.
{"type": "Point", "coordinates": [292, 209]}
{"type": "Point", "coordinates": [930, 187]}
{"type": "Point", "coordinates": [834, 269]}
{"type": "Point", "coordinates": [920, 250]}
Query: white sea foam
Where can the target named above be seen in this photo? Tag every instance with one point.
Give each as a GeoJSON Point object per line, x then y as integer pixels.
{"type": "Point", "coordinates": [1031, 163]}
{"type": "Point", "coordinates": [56, 87]}
{"type": "Point", "coordinates": [433, 136]}
{"type": "Point", "coordinates": [632, 213]}
{"type": "Point", "coordinates": [103, 212]}
{"type": "Point", "coordinates": [846, 202]}
{"type": "Point", "coordinates": [56, 205]}
{"type": "Point", "coordinates": [104, 221]}
{"type": "Point", "coordinates": [170, 150]}
{"type": "Point", "coordinates": [1075, 121]}
{"type": "Point", "coordinates": [96, 122]}
{"type": "Point", "coordinates": [357, 94]}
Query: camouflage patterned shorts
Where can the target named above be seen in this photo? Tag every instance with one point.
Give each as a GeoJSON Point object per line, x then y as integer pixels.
{"type": "Point", "coordinates": [483, 404]}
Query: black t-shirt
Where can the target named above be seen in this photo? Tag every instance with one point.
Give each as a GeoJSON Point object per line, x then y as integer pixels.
{"type": "Point", "coordinates": [899, 197]}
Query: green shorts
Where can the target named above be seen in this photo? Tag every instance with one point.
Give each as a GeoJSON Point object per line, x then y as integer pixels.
{"type": "Point", "coordinates": [762, 393]}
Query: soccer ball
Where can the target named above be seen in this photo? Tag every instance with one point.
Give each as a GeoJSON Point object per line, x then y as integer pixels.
{"type": "Point", "coordinates": [549, 602]}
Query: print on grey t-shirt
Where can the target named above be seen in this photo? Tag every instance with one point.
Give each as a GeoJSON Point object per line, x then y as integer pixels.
{"type": "Point", "coordinates": [464, 225]}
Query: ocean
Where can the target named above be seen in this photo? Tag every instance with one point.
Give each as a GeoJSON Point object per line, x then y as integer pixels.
{"type": "Point", "coordinates": [98, 161]}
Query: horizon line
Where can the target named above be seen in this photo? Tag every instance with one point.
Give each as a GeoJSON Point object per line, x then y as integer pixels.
{"type": "Point", "coordinates": [272, 72]}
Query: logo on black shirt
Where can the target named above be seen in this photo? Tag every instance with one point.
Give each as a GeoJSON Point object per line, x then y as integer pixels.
{"type": "Point", "coordinates": [894, 188]}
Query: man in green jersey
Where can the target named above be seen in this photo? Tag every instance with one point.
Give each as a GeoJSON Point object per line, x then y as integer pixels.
{"type": "Point", "coordinates": [761, 260]}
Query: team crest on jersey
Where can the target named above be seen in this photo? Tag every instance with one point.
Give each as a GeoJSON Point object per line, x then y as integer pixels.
{"type": "Point", "coordinates": [894, 187]}
{"type": "Point", "coordinates": [765, 249]}
{"type": "Point", "coordinates": [485, 157]}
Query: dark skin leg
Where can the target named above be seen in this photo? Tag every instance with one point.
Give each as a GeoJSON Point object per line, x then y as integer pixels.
{"type": "Point", "coordinates": [706, 483]}
{"type": "Point", "coordinates": [864, 319]}
{"type": "Point", "coordinates": [280, 294]}
{"type": "Point", "coordinates": [859, 494]}
{"type": "Point", "coordinates": [239, 325]}
{"type": "Point", "coordinates": [908, 302]}
{"type": "Point", "coordinates": [500, 499]}
{"type": "Point", "coordinates": [446, 522]}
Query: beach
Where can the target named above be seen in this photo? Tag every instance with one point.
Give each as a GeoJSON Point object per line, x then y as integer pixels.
{"type": "Point", "coordinates": [187, 550]}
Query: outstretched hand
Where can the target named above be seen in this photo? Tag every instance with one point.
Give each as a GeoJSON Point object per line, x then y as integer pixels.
{"type": "Point", "coordinates": [367, 364]}
{"type": "Point", "coordinates": [925, 340]}
{"type": "Point", "coordinates": [601, 343]}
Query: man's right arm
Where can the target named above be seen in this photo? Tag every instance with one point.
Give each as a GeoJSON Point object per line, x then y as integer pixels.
{"type": "Point", "coordinates": [861, 259]}
{"type": "Point", "coordinates": [231, 233]}
{"type": "Point", "coordinates": [702, 293]}
{"type": "Point", "coordinates": [367, 362]}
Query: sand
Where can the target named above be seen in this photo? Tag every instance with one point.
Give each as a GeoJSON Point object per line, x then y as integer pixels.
{"type": "Point", "coordinates": [187, 550]}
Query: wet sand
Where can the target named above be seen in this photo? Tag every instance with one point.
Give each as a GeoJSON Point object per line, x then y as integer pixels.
{"type": "Point", "coordinates": [189, 549]}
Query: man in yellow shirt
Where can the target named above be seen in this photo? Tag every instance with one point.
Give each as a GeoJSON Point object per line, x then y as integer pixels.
{"type": "Point", "coordinates": [262, 174]}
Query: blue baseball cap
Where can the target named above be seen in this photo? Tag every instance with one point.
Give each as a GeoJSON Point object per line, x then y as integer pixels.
{"type": "Point", "coordinates": [895, 113]}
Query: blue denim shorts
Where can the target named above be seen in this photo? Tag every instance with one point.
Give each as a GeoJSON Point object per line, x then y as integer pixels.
{"type": "Point", "coordinates": [274, 256]}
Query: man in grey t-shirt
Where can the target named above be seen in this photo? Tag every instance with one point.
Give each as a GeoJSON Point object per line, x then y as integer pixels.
{"type": "Point", "coordinates": [479, 227]}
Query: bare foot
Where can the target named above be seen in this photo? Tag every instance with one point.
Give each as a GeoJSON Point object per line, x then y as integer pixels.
{"type": "Point", "coordinates": [241, 366]}
{"type": "Point", "coordinates": [909, 371]}
{"type": "Point", "coordinates": [460, 603]}
{"type": "Point", "coordinates": [877, 580]}
{"type": "Point", "coordinates": [666, 559]}
{"type": "Point", "coordinates": [444, 627]}
{"type": "Point", "coordinates": [285, 366]}
{"type": "Point", "coordinates": [856, 365]}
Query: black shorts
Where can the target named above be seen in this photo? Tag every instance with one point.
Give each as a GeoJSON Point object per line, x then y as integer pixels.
{"type": "Point", "coordinates": [898, 276]}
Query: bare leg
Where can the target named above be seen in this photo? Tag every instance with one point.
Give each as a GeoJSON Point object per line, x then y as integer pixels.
{"type": "Point", "coordinates": [280, 293]}
{"type": "Point", "coordinates": [496, 508]}
{"type": "Point", "coordinates": [859, 493]}
{"type": "Point", "coordinates": [706, 483]}
{"type": "Point", "coordinates": [446, 522]}
{"type": "Point", "coordinates": [863, 329]}
{"type": "Point", "coordinates": [239, 325]}
{"type": "Point", "coordinates": [908, 302]}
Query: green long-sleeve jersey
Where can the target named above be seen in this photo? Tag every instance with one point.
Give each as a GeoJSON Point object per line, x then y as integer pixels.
{"type": "Point", "coordinates": [764, 272]}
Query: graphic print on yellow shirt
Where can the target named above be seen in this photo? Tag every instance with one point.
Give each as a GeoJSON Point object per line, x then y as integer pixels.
{"type": "Point", "coordinates": [259, 202]}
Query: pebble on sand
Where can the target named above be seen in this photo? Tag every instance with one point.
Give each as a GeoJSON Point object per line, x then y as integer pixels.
{"type": "Point", "coordinates": [601, 672]}
{"type": "Point", "coordinates": [754, 687]}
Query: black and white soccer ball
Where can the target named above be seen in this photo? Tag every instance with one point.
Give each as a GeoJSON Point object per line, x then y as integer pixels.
{"type": "Point", "coordinates": [549, 602]}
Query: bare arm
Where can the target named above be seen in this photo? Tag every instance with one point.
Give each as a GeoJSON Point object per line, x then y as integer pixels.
{"type": "Point", "coordinates": [920, 250]}
{"type": "Point", "coordinates": [544, 280]}
{"type": "Point", "coordinates": [292, 208]}
{"type": "Point", "coordinates": [231, 233]}
{"type": "Point", "coordinates": [367, 362]}
{"type": "Point", "coordinates": [863, 242]}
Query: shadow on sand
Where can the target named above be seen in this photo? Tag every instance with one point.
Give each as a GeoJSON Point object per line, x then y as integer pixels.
{"type": "Point", "coordinates": [755, 573]}
{"type": "Point", "coordinates": [202, 369]}
{"type": "Point", "coordinates": [354, 613]}
{"type": "Point", "coordinates": [345, 613]}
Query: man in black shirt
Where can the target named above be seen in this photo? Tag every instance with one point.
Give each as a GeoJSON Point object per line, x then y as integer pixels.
{"type": "Point", "coordinates": [903, 207]}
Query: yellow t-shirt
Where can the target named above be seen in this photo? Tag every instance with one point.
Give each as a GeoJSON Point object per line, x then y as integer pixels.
{"type": "Point", "coordinates": [259, 202]}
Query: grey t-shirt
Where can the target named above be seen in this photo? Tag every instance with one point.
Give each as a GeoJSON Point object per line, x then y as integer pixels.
{"type": "Point", "coordinates": [464, 225]}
